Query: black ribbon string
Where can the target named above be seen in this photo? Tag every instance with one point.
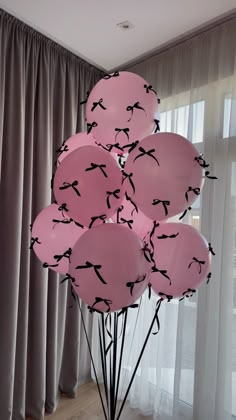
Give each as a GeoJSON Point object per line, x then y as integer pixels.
{"type": "Point", "coordinates": [121, 161]}
{"type": "Point", "coordinates": [68, 278]}
{"type": "Point", "coordinates": [174, 235]}
{"type": "Point", "coordinates": [185, 212]}
{"type": "Point", "coordinates": [107, 302]}
{"type": "Point", "coordinates": [95, 166]}
{"type": "Point", "coordinates": [162, 272]}
{"type": "Point", "coordinates": [147, 153]}
{"type": "Point", "coordinates": [131, 284]}
{"type": "Point", "coordinates": [149, 89]}
{"type": "Point", "coordinates": [129, 177]}
{"type": "Point", "coordinates": [52, 181]}
{"type": "Point", "coordinates": [96, 268]}
{"type": "Point", "coordinates": [122, 130]}
{"type": "Point", "coordinates": [34, 241]}
{"type": "Point", "coordinates": [102, 217]}
{"type": "Point", "coordinates": [67, 254]}
{"type": "Point", "coordinates": [112, 194]}
{"type": "Point", "coordinates": [128, 198]}
{"type": "Point", "coordinates": [209, 176]}
{"type": "Point", "coordinates": [86, 99]}
{"type": "Point", "coordinates": [90, 126]}
{"type": "Point", "coordinates": [196, 191]}
{"type": "Point", "coordinates": [129, 222]}
{"type": "Point", "coordinates": [99, 103]}
{"type": "Point", "coordinates": [208, 277]}
{"type": "Point", "coordinates": [165, 204]}
{"type": "Point", "coordinates": [157, 128]}
{"type": "Point", "coordinates": [132, 107]}
{"type": "Point", "coordinates": [200, 263]}
{"type": "Point", "coordinates": [131, 146]}
{"type": "Point", "coordinates": [30, 226]}
{"type": "Point", "coordinates": [201, 161]}
{"type": "Point", "coordinates": [46, 265]}
{"type": "Point", "coordinates": [210, 249]}
{"type": "Point", "coordinates": [73, 185]}
{"type": "Point", "coordinates": [149, 291]}
{"type": "Point", "coordinates": [109, 76]}
{"type": "Point", "coordinates": [165, 296]}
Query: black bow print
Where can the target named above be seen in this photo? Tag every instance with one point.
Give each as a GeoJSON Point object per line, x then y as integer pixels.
{"type": "Point", "coordinates": [67, 278]}
{"type": "Point", "coordinates": [63, 148]}
{"type": "Point", "coordinates": [65, 221]}
{"type": "Point", "coordinates": [46, 265]}
{"type": "Point", "coordinates": [121, 160]}
{"type": "Point", "coordinates": [107, 302]}
{"type": "Point", "coordinates": [147, 153]}
{"type": "Point", "coordinates": [94, 166]}
{"type": "Point", "coordinates": [34, 241]}
{"type": "Point", "coordinates": [132, 284]}
{"type": "Point", "coordinates": [132, 107]}
{"type": "Point", "coordinates": [188, 293]}
{"type": "Point", "coordinates": [129, 177]}
{"type": "Point", "coordinates": [109, 76]}
{"type": "Point", "coordinates": [109, 146]}
{"type": "Point", "coordinates": [132, 202]}
{"type": "Point", "coordinates": [155, 225]}
{"type": "Point", "coordinates": [200, 263]}
{"type": "Point", "coordinates": [99, 103]}
{"type": "Point", "coordinates": [147, 253]}
{"type": "Point", "coordinates": [114, 194]}
{"type": "Point", "coordinates": [90, 126]}
{"type": "Point", "coordinates": [207, 175]}
{"type": "Point", "coordinates": [73, 185]}
{"type": "Point", "coordinates": [162, 272]}
{"type": "Point", "coordinates": [95, 267]}
{"type": "Point", "coordinates": [30, 226]}
{"type": "Point", "coordinates": [52, 181]}
{"type": "Point", "coordinates": [66, 254]}
{"type": "Point", "coordinates": [168, 236]}
{"type": "Point", "coordinates": [149, 89]}
{"type": "Point", "coordinates": [196, 191]}
{"type": "Point", "coordinates": [86, 99]}
{"type": "Point", "coordinates": [124, 130]}
{"type": "Point", "coordinates": [119, 210]}
{"type": "Point", "coordinates": [208, 277]}
{"type": "Point", "coordinates": [158, 100]}
{"type": "Point", "coordinates": [201, 161]}
{"type": "Point", "coordinates": [165, 204]}
{"type": "Point", "coordinates": [157, 128]}
{"type": "Point", "coordinates": [63, 208]}
{"type": "Point", "coordinates": [210, 249]}
{"type": "Point", "coordinates": [94, 218]}
{"type": "Point", "coordinates": [184, 213]}
{"type": "Point", "coordinates": [131, 146]}
{"type": "Point", "coordinates": [168, 297]}
{"type": "Point", "coordinates": [129, 222]}
{"type": "Point", "coordinates": [78, 224]}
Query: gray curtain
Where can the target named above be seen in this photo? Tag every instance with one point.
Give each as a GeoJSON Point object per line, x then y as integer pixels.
{"type": "Point", "coordinates": [41, 350]}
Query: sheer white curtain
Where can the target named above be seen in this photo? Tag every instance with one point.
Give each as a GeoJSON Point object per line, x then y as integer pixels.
{"type": "Point", "coordinates": [189, 369]}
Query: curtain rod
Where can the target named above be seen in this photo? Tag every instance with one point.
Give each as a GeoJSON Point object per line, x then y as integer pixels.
{"type": "Point", "coordinates": [180, 40]}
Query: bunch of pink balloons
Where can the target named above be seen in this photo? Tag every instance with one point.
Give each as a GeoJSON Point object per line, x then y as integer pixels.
{"type": "Point", "coordinates": [115, 188]}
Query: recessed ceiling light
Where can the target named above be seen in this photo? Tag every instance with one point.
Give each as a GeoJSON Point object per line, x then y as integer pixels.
{"type": "Point", "coordinates": [125, 25]}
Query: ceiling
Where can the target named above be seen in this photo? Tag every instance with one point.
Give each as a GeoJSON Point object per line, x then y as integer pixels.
{"type": "Point", "coordinates": [89, 27]}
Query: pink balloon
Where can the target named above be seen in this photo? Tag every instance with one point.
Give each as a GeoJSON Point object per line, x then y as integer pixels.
{"type": "Point", "coordinates": [121, 109]}
{"type": "Point", "coordinates": [89, 181]}
{"type": "Point", "coordinates": [109, 268]}
{"type": "Point", "coordinates": [130, 215]}
{"type": "Point", "coordinates": [165, 178]}
{"type": "Point", "coordinates": [78, 140]}
{"type": "Point", "coordinates": [53, 237]}
{"type": "Point", "coordinates": [182, 252]}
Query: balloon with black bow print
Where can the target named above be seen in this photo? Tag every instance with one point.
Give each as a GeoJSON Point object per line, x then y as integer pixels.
{"type": "Point", "coordinates": [54, 234]}
{"type": "Point", "coordinates": [78, 140]}
{"type": "Point", "coordinates": [121, 109]}
{"type": "Point", "coordinates": [89, 181]}
{"type": "Point", "coordinates": [162, 175]}
{"type": "Point", "coordinates": [109, 267]}
{"type": "Point", "coordinates": [181, 260]}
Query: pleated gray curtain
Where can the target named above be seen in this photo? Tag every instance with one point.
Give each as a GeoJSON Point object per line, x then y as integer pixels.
{"type": "Point", "coordinates": [41, 350]}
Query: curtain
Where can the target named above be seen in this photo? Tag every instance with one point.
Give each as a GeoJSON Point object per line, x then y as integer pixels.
{"type": "Point", "coordinates": [42, 345]}
{"type": "Point", "coordinates": [189, 369]}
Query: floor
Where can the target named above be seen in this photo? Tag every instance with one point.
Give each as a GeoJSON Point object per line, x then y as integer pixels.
{"type": "Point", "coordinates": [87, 406]}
